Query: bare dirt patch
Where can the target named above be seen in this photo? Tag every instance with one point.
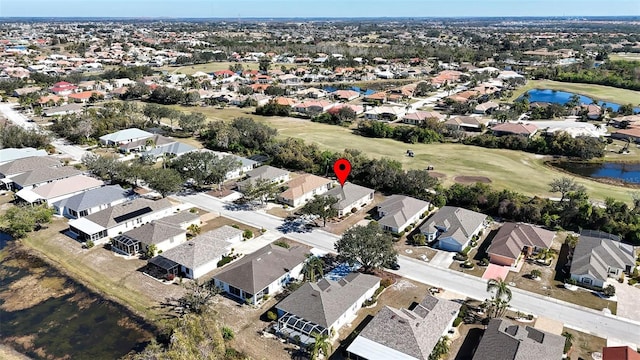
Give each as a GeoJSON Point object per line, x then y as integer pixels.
{"type": "Point", "coordinates": [32, 290]}
{"type": "Point", "coordinates": [464, 179]}
{"type": "Point", "coordinates": [584, 344]}
{"type": "Point", "coordinates": [8, 353]}
{"type": "Point", "coordinates": [437, 175]}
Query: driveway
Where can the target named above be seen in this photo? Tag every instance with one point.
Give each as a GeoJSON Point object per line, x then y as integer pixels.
{"type": "Point", "coordinates": [627, 300]}
{"type": "Point", "coordinates": [442, 259]}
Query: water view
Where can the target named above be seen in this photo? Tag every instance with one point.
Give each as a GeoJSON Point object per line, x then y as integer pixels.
{"type": "Point", "coordinates": [563, 97]}
{"type": "Point", "coordinates": [629, 173]}
{"type": "Point", "coordinates": [47, 315]}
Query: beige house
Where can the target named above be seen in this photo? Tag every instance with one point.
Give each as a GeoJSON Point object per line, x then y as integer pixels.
{"type": "Point", "coordinates": [303, 188]}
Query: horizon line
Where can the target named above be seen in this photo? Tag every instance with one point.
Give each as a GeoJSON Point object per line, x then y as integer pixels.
{"type": "Point", "coordinates": [323, 17]}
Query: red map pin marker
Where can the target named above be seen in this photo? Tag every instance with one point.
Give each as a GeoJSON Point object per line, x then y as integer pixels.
{"type": "Point", "coordinates": [342, 168]}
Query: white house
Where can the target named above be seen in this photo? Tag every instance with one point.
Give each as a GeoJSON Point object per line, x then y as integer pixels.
{"type": "Point", "coordinates": [125, 136]}
{"type": "Point", "coordinates": [162, 235]}
{"type": "Point", "coordinates": [303, 188]}
{"type": "Point", "coordinates": [92, 201]}
{"type": "Point", "coordinates": [599, 256]}
{"type": "Point", "coordinates": [264, 272]}
{"type": "Point", "coordinates": [324, 307]}
{"type": "Point", "coordinates": [415, 332]}
{"type": "Point", "coordinates": [399, 211]}
{"type": "Point", "coordinates": [385, 113]}
{"type": "Point", "coordinates": [199, 256]}
{"type": "Point", "coordinates": [350, 197]}
{"type": "Point", "coordinates": [453, 227]}
{"type": "Point", "coordinates": [59, 190]}
{"type": "Point", "coordinates": [107, 223]}
{"type": "Point", "coordinates": [265, 172]}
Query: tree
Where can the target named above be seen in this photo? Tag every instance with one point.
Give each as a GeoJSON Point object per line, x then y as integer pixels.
{"type": "Point", "coordinates": [564, 186]}
{"type": "Point", "coordinates": [345, 114]}
{"type": "Point", "coordinates": [156, 112]}
{"type": "Point", "coordinates": [260, 189]}
{"type": "Point", "coordinates": [191, 98]}
{"type": "Point", "coordinates": [22, 219]}
{"type": "Point", "coordinates": [368, 245]}
{"type": "Point", "coordinates": [501, 289]}
{"type": "Point", "coordinates": [568, 341]}
{"type": "Point", "coordinates": [314, 266]}
{"type": "Point", "coordinates": [164, 181]}
{"type": "Point", "coordinates": [264, 65]}
{"type": "Point", "coordinates": [440, 349]}
{"type": "Point", "coordinates": [136, 91]}
{"type": "Point", "coordinates": [546, 255]}
{"type": "Point", "coordinates": [192, 122]}
{"type": "Point", "coordinates": [609, 290]}
{"type": "Point", "coordinates": [151, 251]}
{"type": "Point", "coordinates": [194, 229]}
{"type": "Point", "coordinates": [205, 167]}
{"type": "Point", "coordinates": [320, 345]}
{"type": "Point", "coordinates": [535, 273]}
{"type": "Point", "coordinates": [322, 206]}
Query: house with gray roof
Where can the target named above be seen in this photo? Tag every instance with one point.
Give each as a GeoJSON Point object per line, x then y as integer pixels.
{"type": "Point", "coordinates": [107, 223]}
{"type": "Point", "coordinates": [198, 256]}
{"type": "Point", "coordinates": [183, 219]}
{"type": "Point", "coordinates": [599, 256]}
{"type": "Point", "coordinates": [160, 234]}
{"type": "Point", "coordinates": [63, 110]}
{"type": "Point", "coordinates": [173, 149]}
{"type": "Point", "coordinates": [351, 197]}
{"type": "Point", "coordinates": [515, 240]}
{"type": "Point", "coordinates": [91, 201]}
{"type": "Point", "coordinates": [264, 272]}
{"type": "Point", "coordinates": [504, 340]}
{"type": "Point", "coordinates": [41, 176]}
{"type": "Point", "coordinates": [325, 306]}
{"type": "Point", "coordinates": [10, 154]}
{"type": "Point", "coordinates": [55, 191]}
{"type": "Point", "coordinates": [403, 334]}
{"type": "Point", "coordinates": [453, 227]}
{"type": "Point", "coordinates": [23, 165]}
{"type": "Point", "coordinates": [155, 140]}
{"type": "Point", "coordinates": [265, 172]}
{"type": "Point", "coordinates": [400, 211]}
{"type": "Point", "coordinates": [125, 136]}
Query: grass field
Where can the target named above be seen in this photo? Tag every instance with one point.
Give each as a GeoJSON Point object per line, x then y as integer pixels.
{"type": "Point", "coordinates": [216, 66]}
{"type": "Point", "coordinates": [514, 170]}
{"type": "Point", "coordinates": [597, 92]}
{"type": "Point", "coordinates": [624, 57]}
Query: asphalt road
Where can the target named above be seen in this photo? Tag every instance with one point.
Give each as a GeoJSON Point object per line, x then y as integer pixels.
{"type": "Point", "coordinates": [580, 318]}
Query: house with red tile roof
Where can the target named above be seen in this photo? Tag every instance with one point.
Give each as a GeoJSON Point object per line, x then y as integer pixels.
{"type": "Point", "coordinates": [346, 95]}
{"type": "Point", "coordinates": [380, 97]}
{"type": "Point", "coordinates": [632, 133]}
{"type": "Point", "coordinates": [285, 101]}
{"type": "Point", "coordinates": [84, 96]}
{"type": "Point", "coordinates": [358, 109]}
{"type": "Point", "coordinates": [223, 73]}
{"type": "Point", "coordinates": [314, 106]}
{"type": "Point", "coordinates": [63, 88]}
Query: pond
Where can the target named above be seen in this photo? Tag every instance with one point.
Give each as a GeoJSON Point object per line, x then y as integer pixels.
{"type": "Point", "coordinates": [48, 315]}
{"type": "Point", "coordinates": [563, 97]}
{"type": "Point", "coordinates": [629, 173]}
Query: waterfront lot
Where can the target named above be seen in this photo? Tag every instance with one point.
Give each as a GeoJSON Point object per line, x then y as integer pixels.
{"type": "Point", "coordinates": [597, 92]}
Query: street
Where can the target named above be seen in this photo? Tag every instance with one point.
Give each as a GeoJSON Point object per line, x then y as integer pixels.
{"type": "Point", "coordinates": [574, 316]}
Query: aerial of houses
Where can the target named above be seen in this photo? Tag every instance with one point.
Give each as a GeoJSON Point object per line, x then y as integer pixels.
{"type": "Point", "coordinates": [351, 198]}
{"type": "Point", "coordinates": [599, 256]}
{"type": "Point", "coordinates": [125, 136]}
{"type": "Point", "coordinates": [58, 190]}
{"type": "Point", "coordinates": [453, 227]}
{"type": "Point", "coordinates": [324, 307]}
{"type": "Point", "coordinates": [264, 272]}
{"type": "Point", "coordinates": [92, 201]}
{"type": "Point", "coordinates": [399, 211]}
{"type": "Point", "coordinates": [303, 188]}
{"type": "Point", "coordinates": [515, 240]}
{"type": "Point", "coordinates": [265, 172]}
{"type": "Point", "coordinates": [405, 334]}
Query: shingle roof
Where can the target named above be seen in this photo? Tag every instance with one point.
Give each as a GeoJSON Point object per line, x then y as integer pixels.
{"type": "Point", "coordinates": [64, 187]}
{"type": "Point", "coordinates": [457, 223]}
{"type": "Point", "coordinates": [175, 148]}
{"type": "Point", "coordinates": [324, 302]}
{"type": "Point", "coordinates": [199, 251]}
{"type": "Point", "coordinates": [303, 184]}
{"type": "Point", "coordinates": [503, 340]}
{"type": "Point", "coordinates": [114, 215]}
{"type": "Point", "coordinates": [180, 218]}
{"type": "Point", "coordinates": [512, 238]}
{"type": "Point", "coordinates": [95, 197]}
{"type": "Point", "coordinates": [348, 194]}
{"type": "Point", "coordinates": [158, 140]}
{"type": "Point", "coordinates": [594, 255]}
{"type": "Point", "coordinates": [256, 271]}
{"type": "Point", "coordinates": [27, 164]}
{"type": "Point", "coordinates": [263, 172]}
{"type": "Point", "coordinates": [514, 128]}
{"type": "Point", "coordinates": [41, 175]}
{"type": "Point", "coordinates": [414, 333]}
{"type": "Point", "coordinates": [154, 232]}
{"type": "Point", "coordinates": [398, 209]}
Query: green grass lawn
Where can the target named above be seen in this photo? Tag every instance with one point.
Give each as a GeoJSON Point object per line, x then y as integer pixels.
{"type": "Point", "coordinates": [598, 92]}
{"type": "Point", "coordinates": [514, 170]}
{"type": "Point", "coordinates": [624, 57]}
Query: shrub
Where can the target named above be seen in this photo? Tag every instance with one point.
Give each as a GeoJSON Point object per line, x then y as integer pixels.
{"type": "Point", "coordinates": [460, 257]}
{"type": "Point", "coordinates": [281, 243]}
{"type": "Point", "coordinates": [386, 282]}
{"type": "Point", "coordinates": [419, 240]}
{"type": "Point", "coordinates": [227, 333]}
{"type": "Point", "coordinates": [170, 277]}
{"type": "Point", "coordinates": [484, 262]}
{"type": "Point", "coordinates": [226, 259]}
{"type": "Point", "coordinates": [609, 291]}
{"type": "Point", "coordinates": [466, 250]}
{"type": "Point", "coordinates": [247, 234]}
{"type": "Point", "coordinates": [272, 316]}
{"type": "Point", "coordinates": [535, 273]}
{"type": "Point", "coordinates": [235, 226]}
{"type": "Point", "coordinates": [89, 244]}
{"type": "Point", "coordinates": [457, 321]}
{"type": "Point", "coordinates": [265, 297]}
{"type": "Point", "coordinates": [193, 210]}
{"type": "Point", "coordinates": [632, 282]}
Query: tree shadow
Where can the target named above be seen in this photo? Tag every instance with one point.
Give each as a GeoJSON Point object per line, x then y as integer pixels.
{"type": "Point", "coordinates": [482, 250]}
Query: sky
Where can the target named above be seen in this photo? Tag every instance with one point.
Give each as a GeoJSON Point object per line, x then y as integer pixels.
{"type": "Point", "coordinates": [316, 8]}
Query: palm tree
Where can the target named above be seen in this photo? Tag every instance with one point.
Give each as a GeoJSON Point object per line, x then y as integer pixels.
{"type": "Point", "coordinates": [501, 289]}
{"type": "Point", "coordinates": [313, 266]}
{"type": "Point", "coordinates": [546, 255]}
{"type": "Point", "coordinates": [441, 348]}
{"type": "Point", "coordinates": [321, 345]}
{"type": "Point", "coordinates": [535, 273]}
{"type": "Point", "coordinates": [194, 229]}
